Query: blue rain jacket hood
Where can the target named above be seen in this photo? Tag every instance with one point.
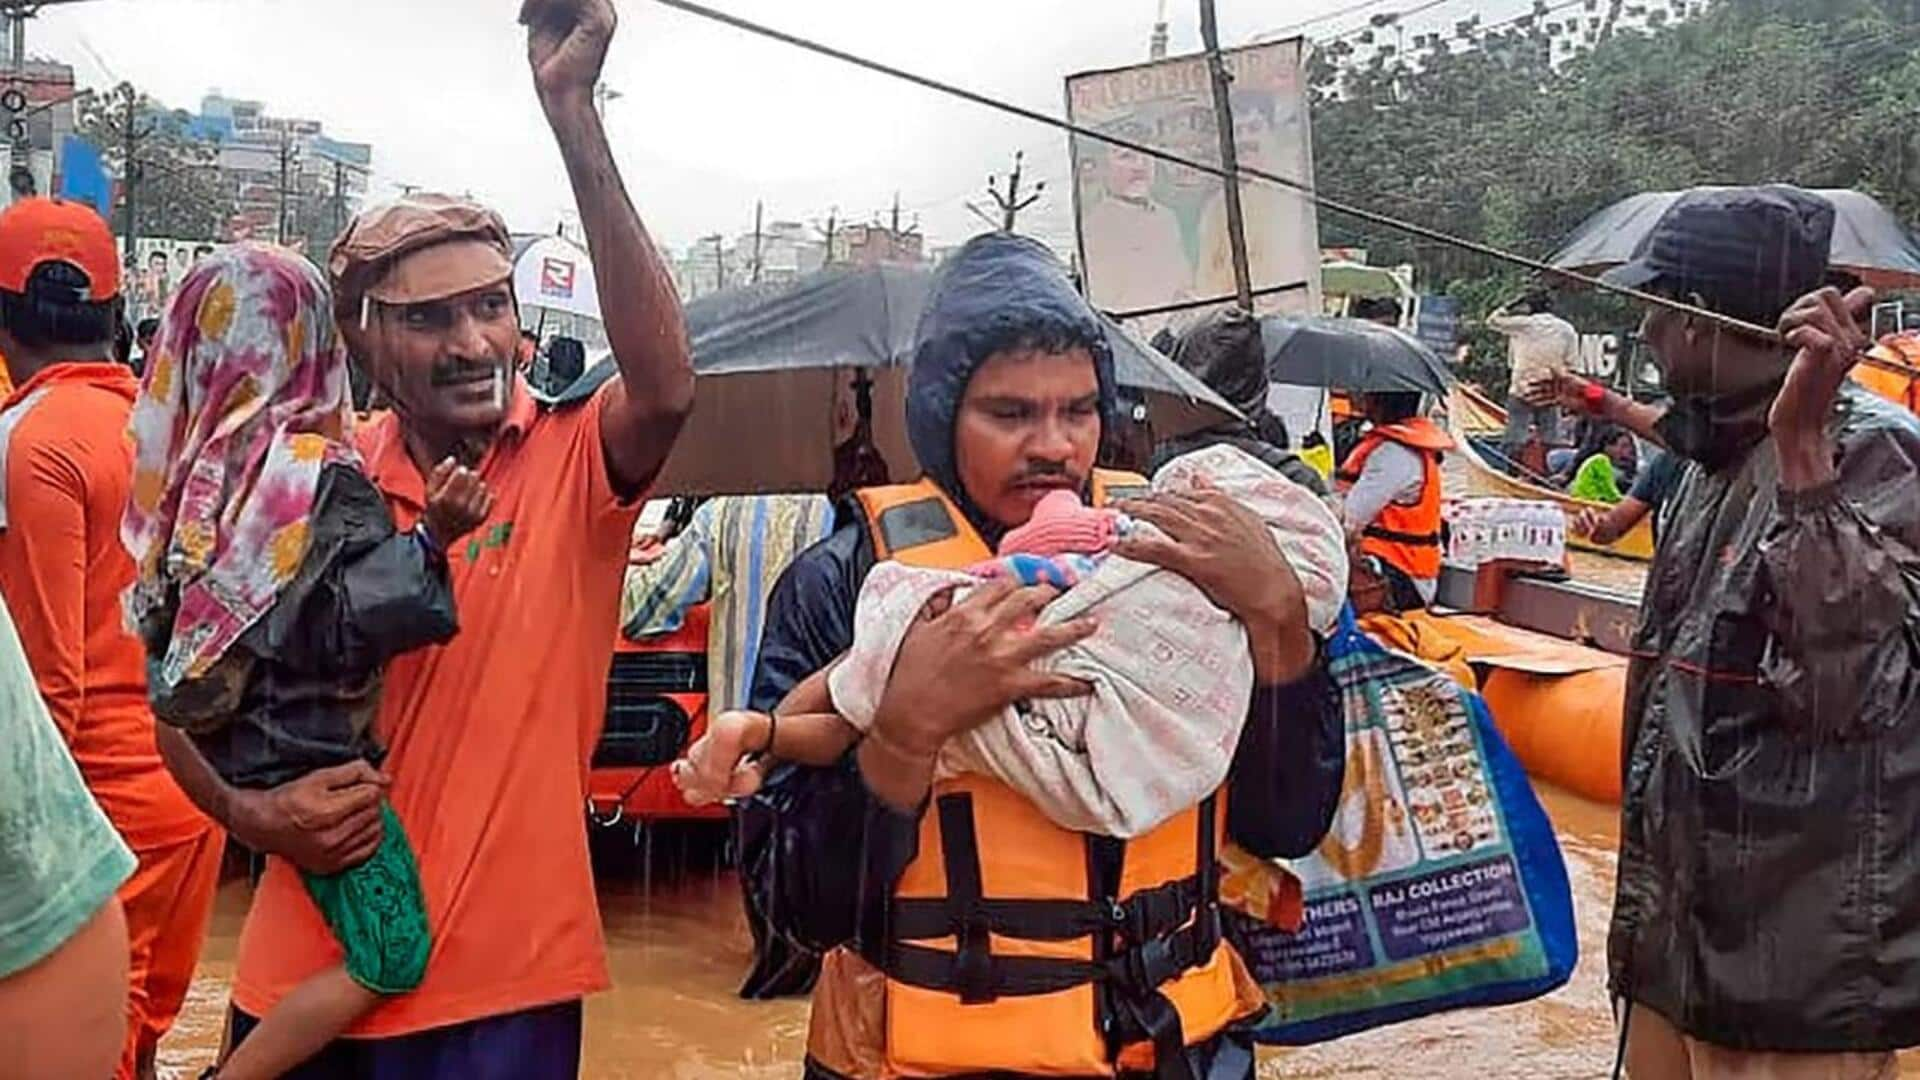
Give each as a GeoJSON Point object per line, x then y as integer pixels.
{"type": "Point", "coordinates": [1000, 291]}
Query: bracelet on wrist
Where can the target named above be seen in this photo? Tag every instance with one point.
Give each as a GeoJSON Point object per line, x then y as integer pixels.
{"type": "Point", "coordinates": [773, 726]}
{"type": "Point", "coordinates": [1593, 397]}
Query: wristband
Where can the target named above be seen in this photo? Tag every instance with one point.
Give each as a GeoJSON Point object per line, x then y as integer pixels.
{"type": "Point", "coordinates": [1593, 397]}
{"type": "Point", "coordinates": [773, 726]}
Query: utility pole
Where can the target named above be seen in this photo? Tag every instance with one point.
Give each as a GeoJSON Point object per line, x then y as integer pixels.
{"type": "Point", "coordinates": [758, 207]}
{"type": "Point", "coordinates": [286, 160]}
{"type": "Point", "coordinates": [130, 138]}
{"type": "Point", "coordinates": [1009, 202]}
{"type": "Point", "coordinates": [339, 197]}
{"type": "Point", "coordinates": [18, 148]}
{"type": "Point", "coordinates": [719, 263]}
{"type": "Point", "coordinates": [1157, 44]}
{"type": "Point", "coordinates": [830, 232]}
{"type": "Point", "coordinates": [1229, 155]}
{"type": "Point", "coordinates": [897, 237]}
{"type": "Point", "coordinates": [602, 93]}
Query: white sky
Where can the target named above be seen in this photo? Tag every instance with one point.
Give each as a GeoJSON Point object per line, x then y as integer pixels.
{"type": "Point", "coordinates": [711, 118]}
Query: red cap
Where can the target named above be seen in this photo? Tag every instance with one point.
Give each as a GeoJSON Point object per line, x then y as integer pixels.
{"type": "Point", "coordinates": [41, 230]}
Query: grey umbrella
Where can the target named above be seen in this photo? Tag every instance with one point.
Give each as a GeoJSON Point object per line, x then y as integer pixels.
{"type": "Point", "coordinates": [776, 366]}
{"type": "Point", "coordinates": [1350, 354]}
{"type": "Point", "coordinates": [1868, 241]}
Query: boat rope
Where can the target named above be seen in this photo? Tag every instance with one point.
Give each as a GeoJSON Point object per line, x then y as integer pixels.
{"type": "Point", "coordinates": [1247, 172]}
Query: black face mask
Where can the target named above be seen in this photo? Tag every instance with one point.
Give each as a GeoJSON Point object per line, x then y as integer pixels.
{"type": "Point", "coordinates": [1715, 431]}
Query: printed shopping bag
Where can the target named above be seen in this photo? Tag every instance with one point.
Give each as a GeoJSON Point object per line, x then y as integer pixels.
{"type": "Point", "coordinates": [1440, 885]}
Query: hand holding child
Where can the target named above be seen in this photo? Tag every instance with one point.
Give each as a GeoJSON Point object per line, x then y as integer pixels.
{"type": "Point", "coordinates": [715, 767]}
{"type": "Point", "coordinates": [457, 502]}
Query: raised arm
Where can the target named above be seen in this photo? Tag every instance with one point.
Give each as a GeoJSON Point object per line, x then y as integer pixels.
{"type": "Point", "coordinates": [566, 46]}
{"type": "Point", "coordinates": [1842, 552]}
{"type": "Point", "coordinates": [1578, 394]}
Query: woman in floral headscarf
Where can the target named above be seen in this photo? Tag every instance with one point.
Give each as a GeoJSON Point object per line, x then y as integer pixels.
{"type": "Point", "coordinates": [273, 588]}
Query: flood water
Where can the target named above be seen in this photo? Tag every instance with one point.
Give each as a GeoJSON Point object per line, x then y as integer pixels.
{"type": "Point", "coordinates": [678, 950]}
{"type": "Point", "coordinates": [678, 946]}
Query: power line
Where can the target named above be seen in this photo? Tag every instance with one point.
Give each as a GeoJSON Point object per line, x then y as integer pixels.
{"type": "Point", "coordinates": [1243, 173]}
{"type": "Point", "coordinates": [1377, 23]}
{"type": "Point", "coordinates": [1294, 28]}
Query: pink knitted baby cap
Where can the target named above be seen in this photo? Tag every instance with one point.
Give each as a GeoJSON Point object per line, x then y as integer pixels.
{"type": "Point", "coordinates": [1062, 525]}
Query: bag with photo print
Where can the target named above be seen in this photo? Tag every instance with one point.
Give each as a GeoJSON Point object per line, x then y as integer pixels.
{"type": "Point", "coordinates": [1440, 885]}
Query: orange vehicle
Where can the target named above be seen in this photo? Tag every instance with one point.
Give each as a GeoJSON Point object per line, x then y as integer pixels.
{"type": "Point", "coordinates": [656, 707]}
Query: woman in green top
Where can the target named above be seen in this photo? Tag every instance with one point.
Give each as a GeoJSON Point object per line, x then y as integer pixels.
{"type": "Point", "coordinates": [1598, 478]}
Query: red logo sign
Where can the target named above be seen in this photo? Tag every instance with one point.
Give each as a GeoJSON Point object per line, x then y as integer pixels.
{"type": "Point", "coordinates": [556, 278]}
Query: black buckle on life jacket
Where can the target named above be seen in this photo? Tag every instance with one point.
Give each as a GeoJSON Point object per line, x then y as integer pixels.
{"type": "Point", "coordinates": [1145, 966]}
{"type": "Point", "coordinates": [973, 976]}
{"type": "Point", "coordinates": [1156, 912]}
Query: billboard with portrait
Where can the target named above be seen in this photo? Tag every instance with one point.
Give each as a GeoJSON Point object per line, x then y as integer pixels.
{"type": "Point", "coordinates": [1152, 233]}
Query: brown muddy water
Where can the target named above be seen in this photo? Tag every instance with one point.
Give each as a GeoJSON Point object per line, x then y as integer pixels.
{"type": "Point", "coordinates": [678, 946]}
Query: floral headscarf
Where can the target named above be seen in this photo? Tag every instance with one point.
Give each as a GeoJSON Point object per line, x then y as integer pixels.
{"type": "Point", "coordinates": [244, 401]}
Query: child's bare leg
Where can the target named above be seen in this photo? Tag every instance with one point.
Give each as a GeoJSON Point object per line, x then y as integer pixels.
{"type": "Point", "coordinates": [316, 1013]}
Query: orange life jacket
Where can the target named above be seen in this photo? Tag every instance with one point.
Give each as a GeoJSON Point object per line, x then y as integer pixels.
{"type": "Point", "coordinates": [1004, 953]}
{"type": "Point", "coordinates": [1902, 390]}
{"type": "Point", "coordinates": [1406, 536]}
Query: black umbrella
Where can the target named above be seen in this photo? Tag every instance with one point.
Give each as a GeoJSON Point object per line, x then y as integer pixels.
{"type": "Point", "coordinates": [1868, 241]}
{"type": "Point", "coordinates": [779, 367]}
{"type": "Point", "coordinates": [1350, 354]}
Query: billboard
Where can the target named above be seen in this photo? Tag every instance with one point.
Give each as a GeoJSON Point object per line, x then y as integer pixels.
{"type": "Point", "coordinates": [1153, 233]}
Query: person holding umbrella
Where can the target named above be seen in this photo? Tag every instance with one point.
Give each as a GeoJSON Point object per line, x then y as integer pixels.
{"type": "Point", "coordinates": [1224, 350]}
{"type": "Point", "coordinates": [872, 861]}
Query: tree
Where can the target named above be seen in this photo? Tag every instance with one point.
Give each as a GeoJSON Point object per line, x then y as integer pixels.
{"type": "Point", "coordinates": [176, 181]}
{"type": "Point", "coordinates": [1499, 143]}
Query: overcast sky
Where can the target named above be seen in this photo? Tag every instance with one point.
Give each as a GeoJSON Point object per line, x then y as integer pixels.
{"type": "Point", "coordinates": [710, 118]}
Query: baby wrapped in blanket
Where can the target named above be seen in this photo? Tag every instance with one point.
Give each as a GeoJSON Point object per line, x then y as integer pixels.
{"type": "Point", "coordinates": [1170, 673]}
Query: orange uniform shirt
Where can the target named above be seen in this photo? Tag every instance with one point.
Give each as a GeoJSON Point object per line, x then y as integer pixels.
{"type": "Point", "coordinates": [489, 738]}
{"type": "Point", "coordinates": [63, 569]}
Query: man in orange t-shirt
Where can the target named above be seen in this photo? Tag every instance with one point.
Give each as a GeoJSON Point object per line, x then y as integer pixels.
{"type": "Point", "coordinates": [489, 737]}
{"type": "Point", "coordinates": [68, 469]}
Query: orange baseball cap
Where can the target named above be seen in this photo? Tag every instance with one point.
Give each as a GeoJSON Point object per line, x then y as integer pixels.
{"type": "Point", "coordinates": [42, 230]}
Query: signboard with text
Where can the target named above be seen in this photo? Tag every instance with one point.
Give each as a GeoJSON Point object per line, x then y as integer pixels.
{"type": "Point", "coordinates": [1152, 233]}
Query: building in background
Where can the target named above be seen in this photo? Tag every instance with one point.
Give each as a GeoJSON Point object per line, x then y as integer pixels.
{"type": "Point", "coordinates": [47, 92]}
{"type": "Point", "coordinates": [871, 245]}
{"type": "Point", "coordinates": [786, 250]}
{"type": "Point", "coordinates": [272, 164]}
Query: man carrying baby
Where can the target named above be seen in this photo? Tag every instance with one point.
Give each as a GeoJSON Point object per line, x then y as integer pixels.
{"type": "Point", "coordinates": [969, 932]}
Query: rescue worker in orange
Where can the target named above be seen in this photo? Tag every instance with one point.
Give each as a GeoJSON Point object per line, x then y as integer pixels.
{"type": "Point", "coordinates": [966, 935]}
{"type": "Point", "coordinates": [1391, 484]}
{"type": "Point", "coordinates": [68, 470]}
